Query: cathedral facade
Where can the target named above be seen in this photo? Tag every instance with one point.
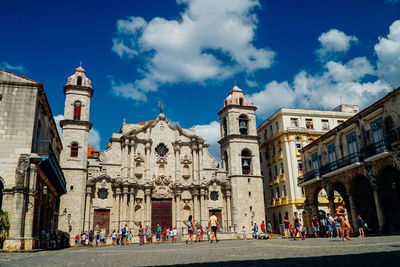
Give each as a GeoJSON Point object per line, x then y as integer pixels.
{"type": "Point", "coordinates": [158, 173]}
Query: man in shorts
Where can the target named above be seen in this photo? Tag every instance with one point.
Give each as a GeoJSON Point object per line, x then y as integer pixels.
{"type": "Point", "coordinates": [213, 223]}
{"type": "Point", "coordinates": [158, 234]}
{"type": "Point", "coordinates": [315, 224]}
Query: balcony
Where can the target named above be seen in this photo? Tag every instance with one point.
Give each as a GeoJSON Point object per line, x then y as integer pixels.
{"type": "Point", "coordinates": [276, 179]}
{"type": "Point", "coordinates": [280, 155]}
{"type": "Point", "coordinates": [270, 181]}
{"type": "Point", "coordinates": [348, 162]}
{"type": "Point", "coordinates": [394, 135]}
{"type": "Point", "coordinates": [374, 149]}
{"type": "Point", "coordinates": [50, 164]}
{"type": "Point", "coordinates": [310, 175]}
{"type": "Point", "coordinates": [284, 200]}
{"type": "Point", "coordinates": [282, 177]}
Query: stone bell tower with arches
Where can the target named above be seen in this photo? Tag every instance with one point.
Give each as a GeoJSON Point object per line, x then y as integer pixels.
{"type": "Point", "coordinates": [75, 132]}
{"type": "Point", "coordinates": [240, 158]}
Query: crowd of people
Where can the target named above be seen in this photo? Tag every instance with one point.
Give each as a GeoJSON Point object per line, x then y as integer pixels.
{"type": "Point", "coordinates": [334, 226]}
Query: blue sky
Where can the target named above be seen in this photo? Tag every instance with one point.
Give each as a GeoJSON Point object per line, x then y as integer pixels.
{"type": "Point", "coordinates": [188, 53]}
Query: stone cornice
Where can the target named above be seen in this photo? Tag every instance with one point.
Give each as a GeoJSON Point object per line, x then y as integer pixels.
{"type": "Point", "coordinates": [76, 122]}
{"type": "Point", "coordinates": [79, 88]}
{"type": "Point", "coordinates": [236, 106]}
{"type": "Point", "coordinates": [238, 136]}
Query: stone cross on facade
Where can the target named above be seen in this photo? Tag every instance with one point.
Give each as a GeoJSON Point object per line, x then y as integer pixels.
{"type": "Point", "coordinates": [161, 104]}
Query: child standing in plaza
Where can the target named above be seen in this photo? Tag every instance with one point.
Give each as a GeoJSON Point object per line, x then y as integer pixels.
{"type": "Point", "coordinates": [244, 232]}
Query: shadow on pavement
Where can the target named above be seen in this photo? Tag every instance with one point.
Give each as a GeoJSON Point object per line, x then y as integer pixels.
{"type": "Point", "coordinates": [366, 259]}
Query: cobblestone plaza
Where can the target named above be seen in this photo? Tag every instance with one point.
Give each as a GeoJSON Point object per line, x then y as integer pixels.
{"type": "Point", "coordinates": [366, 251]}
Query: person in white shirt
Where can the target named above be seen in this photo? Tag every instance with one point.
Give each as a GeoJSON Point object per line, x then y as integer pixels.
{"type": "Point", "coordinates": [175, 234]}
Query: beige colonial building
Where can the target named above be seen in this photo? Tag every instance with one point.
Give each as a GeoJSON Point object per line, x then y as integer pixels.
{"type": "Point", "coordinates": [31, 179]}
{"type": "Point", "coordinates": [158, 173]}
{"type": "Point", "coordinates": [281, 138]}
{"type": "Point", "coordinates": [359, 159]}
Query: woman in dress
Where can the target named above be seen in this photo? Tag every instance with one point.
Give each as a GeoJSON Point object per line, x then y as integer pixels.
{"type": "Point", "coordinates": [149, 234]}
{"type": "Point", "coordinates": [286, 222]}
{"type": "Point", "coordinates": [297, 225]}
{"type": "Point", "coordinates": [342, 213]}
{"type": "Point", "coordinates": [141, 235]}
{"type": "Point", "coordinates": [190, 227]}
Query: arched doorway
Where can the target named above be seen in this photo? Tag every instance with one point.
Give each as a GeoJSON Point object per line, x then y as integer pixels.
{"type": "Point", "coordinates": [389, 185]}
{"type": "Point", "coordinates": [364, 201]}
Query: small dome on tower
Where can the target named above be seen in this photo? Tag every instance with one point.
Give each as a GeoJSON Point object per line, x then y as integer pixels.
{"type": "Point", "coordinates": [236, 97]}
{"type": "Point", "coordinates": [79, 78]}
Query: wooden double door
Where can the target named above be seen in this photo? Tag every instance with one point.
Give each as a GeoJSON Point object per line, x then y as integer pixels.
{"type": "Point", "coordinates": [161, 213]}
{"type": "Point", "coordinates": [101, 220]}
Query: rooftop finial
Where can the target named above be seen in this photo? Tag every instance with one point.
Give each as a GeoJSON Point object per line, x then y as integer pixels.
{"type": "Point", "coordinates": [161, 104]}
{"type": "Point", "coordinates": [80, 63]}
{"type": "Point", "coordinates": [235, 83]}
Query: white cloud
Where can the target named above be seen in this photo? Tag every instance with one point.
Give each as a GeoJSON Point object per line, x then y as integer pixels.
{"type": "Point", "coordinates": [250, 83]}
{"type": "Point", "coordinates": [5, 65]}
{"type": "Point", "coordinates": [274, 96]}
{"type": "Point", "coordinates": [337, 82]}
{"type": "Point", "coordinates": [388, 53]}
{"type": "Point", "coordinates": [334, 43]}
{"type": "Point", "coordinates": [94, 135]}
{"type": "Point", "coordinates": [211, 133]}
{"type": "Point", "coordinates": [57, 119]}
{"type": "Point", "coordinates": [94, 138]}
{"type": "Point", "coordinates": [210, 40]}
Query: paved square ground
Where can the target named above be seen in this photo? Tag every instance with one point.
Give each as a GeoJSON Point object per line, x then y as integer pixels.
{"type": "Point", "coordinates": [367, 252]}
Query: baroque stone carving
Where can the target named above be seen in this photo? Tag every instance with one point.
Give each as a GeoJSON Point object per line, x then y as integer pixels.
{"type": "Point", "coordinates": [162, 187]}
{"type": "Point", "coordinates": [214, 195]}
{"type": "Point", "coordinates": [186, 160]}
{"type": "Point", "coordinates": [23, 163]}
{"type": "Point", "coordinates": [103, 158]}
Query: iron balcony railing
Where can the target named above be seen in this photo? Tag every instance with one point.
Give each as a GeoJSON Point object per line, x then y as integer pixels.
{"type": "Point", "coordinates": [340, 163]}
{"type": "Point", "coordinates": [44, 148]}
{"type": "Point", "coordinates": [311, 175]}
{"type": "Point", "coordinates": [393, 135]}
{"type": "Point", "coordinates": [373, 149]}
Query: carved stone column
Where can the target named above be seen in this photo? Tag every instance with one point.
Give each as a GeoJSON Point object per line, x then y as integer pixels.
{"type": "Point", "coordinates": [147, 171]}
{"type": "Point", "coordinates": [28, 231]}
{"type": "Point", "coordinates": [124, 206]}
{"type": "Point", "coordinates": [117, 208]}
{"type": "Point", "coordinates": [195, 164]}
{"type": "Point", "coordinates": [353, 213]}
{"type": "Point", "coordinates": [203, 214]}
{"type": "Point", "coordinates": [131, 208]}
{"type": "Point", "coordinates": [132, 159]}
{"type": "Point", "coordinates": [173, 211]}
{"type": "Point", "coordinates": [177, 163]}
{"type": "Point", "coordinates": [228, 209]}
{"type": "Point", "coordinates": [200, 162]}
{"type": "Point", "coordinates": [148, 207]}
{"type": "Point", "coordinates": [125, 159]}
{"type": "Point", "coordinates": [196, 209]}
{"type": "Point", "coordinates": [88, 208]}
{"type": "Point", "coordinates": [379, 209]}
{"type": "Point", "coordinates": [178, 210]}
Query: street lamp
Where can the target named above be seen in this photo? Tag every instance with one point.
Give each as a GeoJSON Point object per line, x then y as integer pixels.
{"type": "Point", "coordinates": [44, 191]}
{"type": "Point", "coordinates": [69, 223]}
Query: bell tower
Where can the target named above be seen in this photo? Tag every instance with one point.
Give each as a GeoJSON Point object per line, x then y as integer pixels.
{"type": "Point", "coordinates": [241, 159]}
{"type": "Point", "coordinates": [75, 132]}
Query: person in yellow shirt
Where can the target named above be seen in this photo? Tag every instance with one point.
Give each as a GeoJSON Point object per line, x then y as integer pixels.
{"type": "Point", "coordinates": [213, 223]}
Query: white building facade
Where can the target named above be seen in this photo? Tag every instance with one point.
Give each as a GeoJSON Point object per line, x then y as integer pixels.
{"type": "Point", "coordinates": [281, 138]}
{"type": "Point", "coordinates": [153, 172]}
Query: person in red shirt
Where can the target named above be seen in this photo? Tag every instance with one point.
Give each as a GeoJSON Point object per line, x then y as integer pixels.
{"type": "Point", "coordinates": [262, 226]}
{"type": "Point", "coordinates": [77, 240]}
{"type": "Point", "coordinates": [315, 224]}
